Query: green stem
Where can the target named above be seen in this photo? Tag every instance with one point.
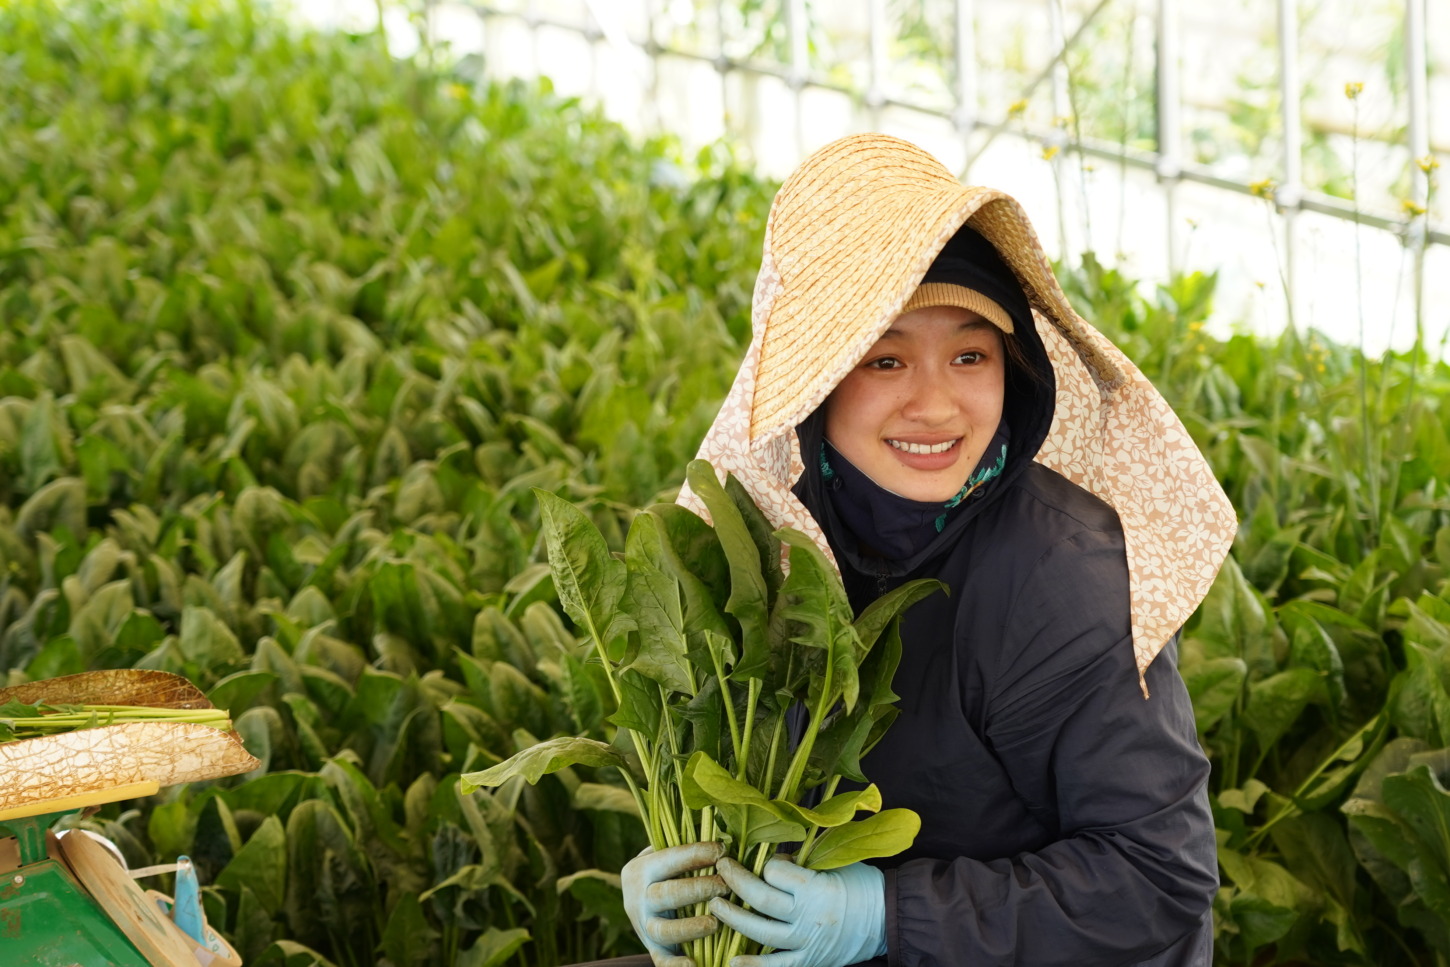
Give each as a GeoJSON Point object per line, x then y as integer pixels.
{"type": "Point", "coordinates": [1291, 808]}
{"type": "Point", "coordinates": [742, 754]}
{"type": "Point", "coordinates": [708, 832]}
{"type": "Point", "coordinates": [704, 949]}
{"type": "Point", "coordinates": [646, 814]}
{"type": "Point", "coordinates": [93, 716]}
{"type": "Point", "coordinates": [774, 747]}
{"type": "Point", "coordinates": [1371, 466]}
{"type": "Point", "coordinates": [1394, 934]}
{"type": "Point", "coordinates": [688, 832]}
{"type": "Point", "coordinates": [641, 744]}
{"type": "Point", "coordinates": [668, 826]}
{"type": "Point", "coordinates": [604, 660]}
{"type": "Point", "coordinates": [763, 852]}
{"type": "Point", "coordinates": [804, 853]}
{"type": "Point", "coordinates": [729, 705]}
{"type": "Point", "coordinates": [660, 790]}
{"type": "Point", "coordinates": [732, 949]}
{"type": "Point", "coordinates": [789, 789]}
{"type": "Point", "coordinates": [647, 763]}
{"type": "Point", "coordinates": [1231, 770]}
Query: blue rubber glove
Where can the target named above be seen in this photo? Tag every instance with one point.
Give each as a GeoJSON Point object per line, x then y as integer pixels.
{"type": "Point", "coordinates": [656, 884]}
{"type": "Point", "coordinates": [815, 918]}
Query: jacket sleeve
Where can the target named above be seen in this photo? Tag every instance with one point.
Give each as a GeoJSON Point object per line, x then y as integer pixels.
{"type": "Point", "coordinates": [1120, 779]}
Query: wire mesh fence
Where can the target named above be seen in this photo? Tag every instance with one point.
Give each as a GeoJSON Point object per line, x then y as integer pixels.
{"type": "Point", "coordinates": [1290, 145]}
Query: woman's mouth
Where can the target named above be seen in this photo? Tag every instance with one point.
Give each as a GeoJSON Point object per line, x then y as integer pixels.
{"type": "Point", "coordinates": [926, 456]}
{"type": "Point", "coordinates": [923, 448]}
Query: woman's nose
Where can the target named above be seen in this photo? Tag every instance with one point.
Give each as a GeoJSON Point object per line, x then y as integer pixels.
{"type": "Point", "coordinates": [929, 400]}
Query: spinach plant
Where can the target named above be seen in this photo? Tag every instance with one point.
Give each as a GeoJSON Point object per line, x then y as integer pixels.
{"type": "Point", "coordinates": [707, 645]}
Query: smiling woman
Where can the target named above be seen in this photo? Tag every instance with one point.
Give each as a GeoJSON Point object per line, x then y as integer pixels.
{"type": "Point", "coordinates": [925, 402]}
{"type": "Point", "coordinates": [918, 412]}
{"type": "Point", "coordinates": [920, 399]}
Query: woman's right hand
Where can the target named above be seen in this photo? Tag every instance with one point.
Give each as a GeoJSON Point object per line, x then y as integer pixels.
{"type": "Point", "coordinates": [656, 884]}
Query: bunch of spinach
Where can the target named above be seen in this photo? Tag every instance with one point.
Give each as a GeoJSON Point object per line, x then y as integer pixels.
{"type": "Point", "coordinates": [707, 644]}
{"type": "Point", "coordinates": [33, 720]}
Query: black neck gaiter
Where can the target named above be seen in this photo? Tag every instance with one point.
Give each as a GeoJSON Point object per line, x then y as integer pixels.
{"type": "Point", "coordinates": [888, 525]}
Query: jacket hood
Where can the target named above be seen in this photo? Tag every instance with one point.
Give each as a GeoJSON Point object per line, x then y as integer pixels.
{"type": "Point", "coordinates": [851, 234]}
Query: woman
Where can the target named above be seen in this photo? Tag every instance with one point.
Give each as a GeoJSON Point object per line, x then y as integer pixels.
{"type": "Point", "coordinates": [920, 399]}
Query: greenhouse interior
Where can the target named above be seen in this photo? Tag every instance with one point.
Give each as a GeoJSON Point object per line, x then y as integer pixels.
{"type": "Point", "coordinates": [421, 525]}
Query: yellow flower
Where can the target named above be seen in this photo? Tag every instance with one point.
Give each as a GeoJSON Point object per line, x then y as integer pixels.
{"type": "Point", "coordinates": [456, 91]}
{"type": "Point", "coordinates": [1353, 89]}
{"type": "Point", "coordinates": [1017, 107]}
{"type": "Point", "coordinates": [1049, 151]}
{"type": "Point", "coordinates": [1428, 163]}
{"type": "Point", "coordinates": [1411, 208]}
{"type": "Point", "coordinates": [1263, 188]}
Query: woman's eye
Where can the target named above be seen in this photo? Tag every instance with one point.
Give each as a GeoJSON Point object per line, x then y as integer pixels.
{"type": "Point", "coordinates": [970, 358]}
{"type": "Point", "coordinates": [885, 362]}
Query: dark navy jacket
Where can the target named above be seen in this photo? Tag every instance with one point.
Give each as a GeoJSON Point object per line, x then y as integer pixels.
{"type": "Point", "coordinates": [1065, 818]}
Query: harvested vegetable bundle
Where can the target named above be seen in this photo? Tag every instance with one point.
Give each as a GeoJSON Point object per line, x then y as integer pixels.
{"type": "Point", "coordinates": [21, 720]}
{"type": "Point", "coordinates": [94, 732]}
{"type": "Point", "coordinates": [707, 644]}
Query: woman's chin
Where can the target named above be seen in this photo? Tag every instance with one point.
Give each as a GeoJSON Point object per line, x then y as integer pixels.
{"type": "Point", "coordinates": [935, 496]}
{"type": "Point", "coordinates": [928, 491]}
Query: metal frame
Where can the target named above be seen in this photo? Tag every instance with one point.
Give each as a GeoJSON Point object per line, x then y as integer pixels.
{"type": "Point", "coordinates": [1417, 70]}
{"type": "Point", "coordinates": [1168, 163]}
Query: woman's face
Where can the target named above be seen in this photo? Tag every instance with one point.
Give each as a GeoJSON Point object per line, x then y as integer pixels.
{"type": "Point", "coordinates": [921, 406]}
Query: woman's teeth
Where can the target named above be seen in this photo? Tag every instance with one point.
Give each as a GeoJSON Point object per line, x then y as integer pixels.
{"type": "Point", "coordinates": [922, 447]}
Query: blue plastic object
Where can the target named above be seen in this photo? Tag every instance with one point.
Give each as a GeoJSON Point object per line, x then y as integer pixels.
{"type": "Point", "coordinates": [186, 904]}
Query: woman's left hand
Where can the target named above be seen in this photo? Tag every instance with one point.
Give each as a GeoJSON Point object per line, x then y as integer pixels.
{"type": "Point", "coordinates": [815, 918]}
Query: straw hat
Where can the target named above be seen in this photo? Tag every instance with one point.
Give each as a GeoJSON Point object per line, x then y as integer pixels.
{"type": "Point", "coordinates": [109, 763]}
{"type": "Point", "coordinates": [850, 236]}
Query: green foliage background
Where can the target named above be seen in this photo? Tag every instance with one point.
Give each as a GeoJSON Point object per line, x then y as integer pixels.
{"type": "Point", "coordinates": [289, 329]}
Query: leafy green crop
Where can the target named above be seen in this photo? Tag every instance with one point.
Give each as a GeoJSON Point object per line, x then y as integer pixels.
{"type": "Point", "coordinates": [706, 646]}
{"type": "Point", "coordinates": [290, 330]}
{"type": "Point", "coordinates": [1320, 646]}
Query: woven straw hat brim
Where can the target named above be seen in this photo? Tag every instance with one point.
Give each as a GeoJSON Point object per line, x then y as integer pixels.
{"type": "Point", "coordinates": [851, 234]}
